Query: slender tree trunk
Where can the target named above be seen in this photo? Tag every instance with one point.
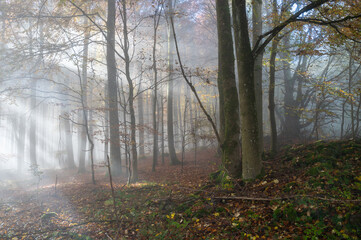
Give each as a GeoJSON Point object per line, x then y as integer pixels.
{"type": "Point", "coordinates": [133, 141]}
{"type": "Point", "coordinates": [112, 90]}
{"type": "Point", "coordinates": [257, 31]}
{"type": "Point", "coordinates": [33, 105]}
{"type": "Point", "coordinates": [184, 130]}
{"type": "Point", "coordinates": [68, 139]}
{"type": "Point", "coordinates": [90, 118]}
{"type": "Point", "coordinates": [21, 143]}
{"type": "Point", "coordinates": [195, 132]}
{"type": "Point", "coordinates": [251, 154]}
{"type": "Point", "coordinates": [358, 116]}
{"type": "Point", "coordinates": [32, 130]}
{"type": "Point", "coordinates": [155, 94]}
{"type": "Point", "coordinates": [271, 95]}
{"type": "Point", "coordinates": [106, 124]}
{"type": "Point", "coordinates": [178, 114]}
{"type": "Point", "coordinates": [162, 124]}
{"type": "Point", "coordinates": [140, 101]}
{"type": "Point", "coordinates": [343, 118]}
{"type": "Point", "coordinates": [350, 75]}
{"type": "Point", "coordinates": [125, 127]}
{"type": "Point", "coordinates": [87, 130]}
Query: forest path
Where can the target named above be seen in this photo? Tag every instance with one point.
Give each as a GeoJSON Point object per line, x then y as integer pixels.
{"type": "Point", "coordinates": [49, 207]}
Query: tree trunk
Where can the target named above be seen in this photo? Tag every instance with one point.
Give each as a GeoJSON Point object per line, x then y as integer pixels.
{"type": "Point", "coordinates": [271, 95]}
{"type": "Point", "coordinates": [32, 130]}
{"type": "Point", "coordinates": [162, 124]}
{"type": "Point", "coordinates": [33, 105]}
{"type": "Point", "coordinates": [195, 132]}
{"type": "Point", "coordinates": [140, 101]}
{"type": "Point", "coordinates": [68, 139]}
{"type": "Point", "coordinates": [21, 143]}
{"type": "Point", "coordinates": [112, 91]}
{"type": "Point", "coordinates": [292, 127]}
{"type": "Point", "coordinates": [122, 104]}
{"type": "Point", "coordinates": [84, 97]}
{"type": "Point", "coordinates": [350, 75]}
{"type": "Point", "coordinates": [257, 31]}
{"type": "Point", "coordinates": [155, 94]}
{"type": "Point", "coordinates": [172, 153]}
{"type": "Point", "coordinates": [106, 123]}
{"type": "Point", "coordinates": [343, 118]}
{"type": "Point", "coordinates": [133, 141]}
{"type": "Point", "coordinates": [228, 96]}
{"type": "Point", "coordinates": [251, 154]}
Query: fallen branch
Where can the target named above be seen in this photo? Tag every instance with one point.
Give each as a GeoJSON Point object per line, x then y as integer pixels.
{"type": "Point", "coordinates": [284, 198]}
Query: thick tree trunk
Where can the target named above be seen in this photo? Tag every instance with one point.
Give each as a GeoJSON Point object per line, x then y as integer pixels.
{"type": "Point", "coordinates": [112, 91]}
{"type": "Point", "coordinates": [228, 96]}
{"type": "Point", "coordinates": [84, 92]}
{"type": "Point", "coordinates": [251, 154]}
{"type": "Point", "coordinates": [172, 153]}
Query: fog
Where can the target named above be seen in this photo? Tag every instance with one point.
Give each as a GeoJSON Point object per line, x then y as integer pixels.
{"type": "Point", "coordinates": [54, 73]}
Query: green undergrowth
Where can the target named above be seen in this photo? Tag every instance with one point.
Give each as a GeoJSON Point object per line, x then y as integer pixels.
{"type": "Point", "coordinates": [316, 190]}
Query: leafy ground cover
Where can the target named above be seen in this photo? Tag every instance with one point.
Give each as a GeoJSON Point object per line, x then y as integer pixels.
{"type": "Point", "coordinates": [306, 192]}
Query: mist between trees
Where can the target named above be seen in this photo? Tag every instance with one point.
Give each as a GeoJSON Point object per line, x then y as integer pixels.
{"type": "Point", "coordinates": [152, 80]}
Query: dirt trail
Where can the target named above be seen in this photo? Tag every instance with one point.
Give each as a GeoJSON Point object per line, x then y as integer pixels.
{"type": "Point", "coordinates": [32, 209]}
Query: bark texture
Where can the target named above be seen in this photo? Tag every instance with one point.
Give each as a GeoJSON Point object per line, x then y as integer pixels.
{"type": "Point", "coordinates": [256, 32]}
{"type": "Point", "coordinates": [271, 95]}
{"type": "Point", "coordinates": [228, 96]}
{"type": "Point", "coordinates": [172, 153]}
{"type": "Point", "coordinates": [251, 154]}
{"type": "Point", "coordinates": [112, 91]}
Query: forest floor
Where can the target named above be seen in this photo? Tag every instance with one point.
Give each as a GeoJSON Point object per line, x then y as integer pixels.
{"type": "Point", "coordinates": [306, 192]}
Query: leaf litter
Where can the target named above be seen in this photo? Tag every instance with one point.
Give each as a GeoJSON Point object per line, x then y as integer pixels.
{"type": "Point", "coordinates": [306, 192]}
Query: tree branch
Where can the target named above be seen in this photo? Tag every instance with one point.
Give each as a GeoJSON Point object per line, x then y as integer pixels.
{"type": "Point", "coordinates": [258, 47]}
